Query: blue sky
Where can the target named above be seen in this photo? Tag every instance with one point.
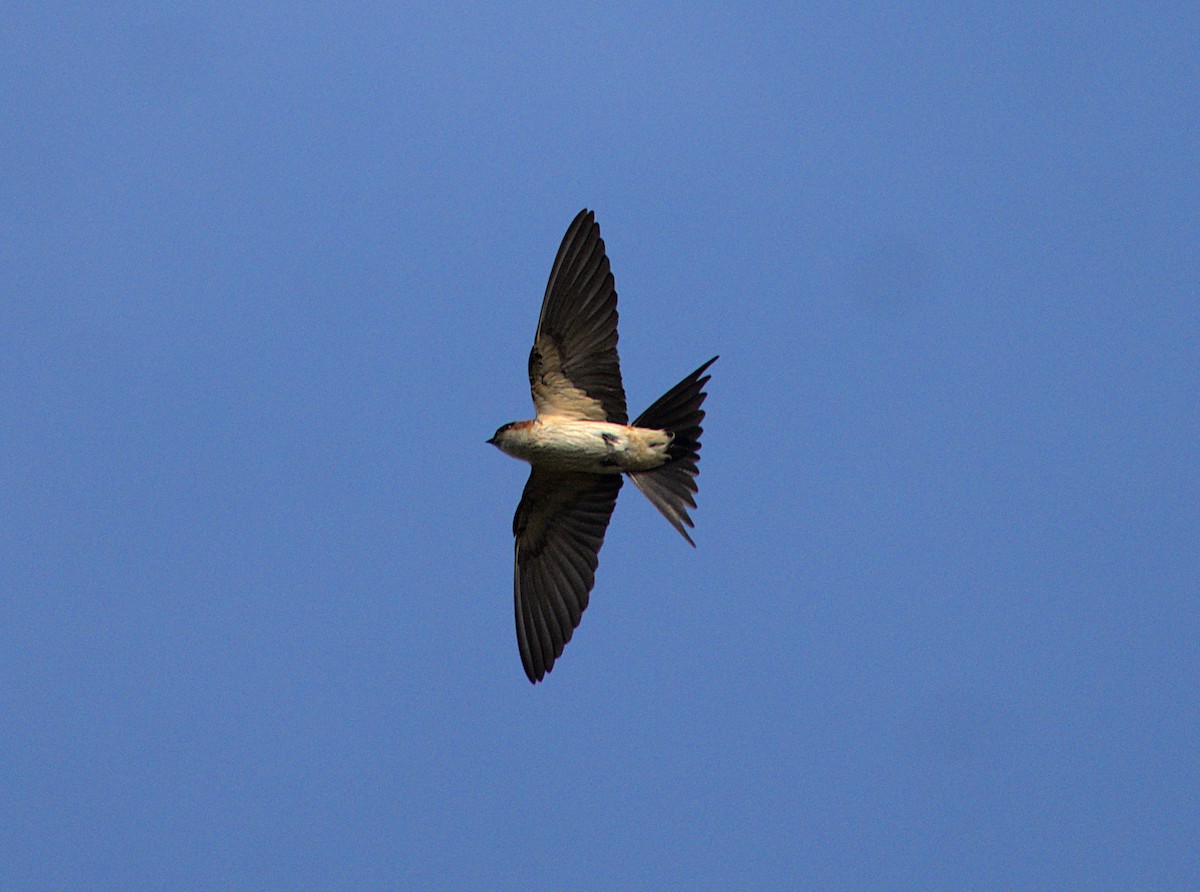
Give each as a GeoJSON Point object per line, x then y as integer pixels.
{"type": "Point", "coordinates": [270, 278]}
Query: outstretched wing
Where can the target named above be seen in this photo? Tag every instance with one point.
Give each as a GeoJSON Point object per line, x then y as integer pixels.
{"type": "Point", "coordinates": [559, 528]}
{"type": "Point", "coordinates": [573, 367]}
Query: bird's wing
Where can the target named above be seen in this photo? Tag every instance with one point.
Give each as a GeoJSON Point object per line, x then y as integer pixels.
{"type": "Point", "coordinates": [573, 367]}
{"type": "Point", "coordinates": [559, 527]}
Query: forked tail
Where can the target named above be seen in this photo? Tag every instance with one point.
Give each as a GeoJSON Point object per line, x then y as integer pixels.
{"type": "Point", "coordinates": [670, 487]}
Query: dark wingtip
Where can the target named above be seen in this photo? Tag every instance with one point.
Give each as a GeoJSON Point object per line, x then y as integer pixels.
{"type": "Point", "coordinates": [536, 670]}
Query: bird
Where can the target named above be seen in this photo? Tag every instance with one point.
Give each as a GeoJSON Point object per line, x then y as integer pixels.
{"type": "Point", "coordinates": [581, 446]}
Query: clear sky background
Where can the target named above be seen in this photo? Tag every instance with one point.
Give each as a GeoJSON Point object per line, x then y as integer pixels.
{"type": "Point", "coordinates": [268, 280]}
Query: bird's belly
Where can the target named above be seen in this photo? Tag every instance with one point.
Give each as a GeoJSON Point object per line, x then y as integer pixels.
{"type": "Point", "coordinates": [595, 447]}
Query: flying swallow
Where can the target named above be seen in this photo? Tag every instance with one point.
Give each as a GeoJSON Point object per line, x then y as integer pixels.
{"type": "Point", "coordinates": [581, 443]}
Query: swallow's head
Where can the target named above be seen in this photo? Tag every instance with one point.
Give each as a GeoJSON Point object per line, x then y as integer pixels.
{"type": "Point", "coordinates": [508, 434]}
{"type": "Point", "coordinates": [498, 437]}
